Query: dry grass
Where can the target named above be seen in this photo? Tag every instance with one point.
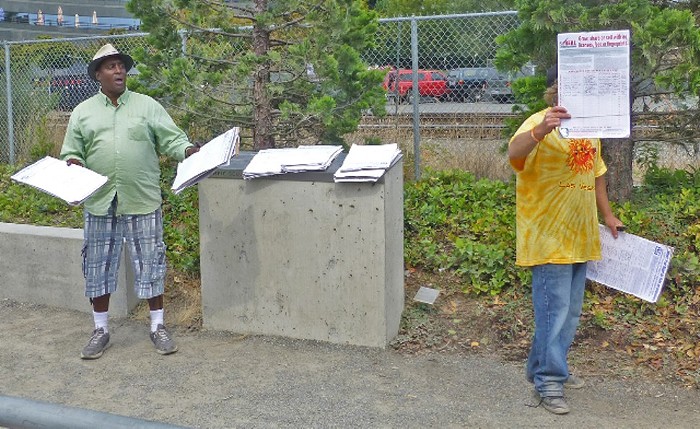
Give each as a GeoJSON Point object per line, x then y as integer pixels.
{"type": "Point", "coordinates": [484, 158]}
{"type": "Point", "coordinates": [183, 302]}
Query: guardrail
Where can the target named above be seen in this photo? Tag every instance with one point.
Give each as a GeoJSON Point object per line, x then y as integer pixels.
{"type": "Point", "coordinates": [20, 413]}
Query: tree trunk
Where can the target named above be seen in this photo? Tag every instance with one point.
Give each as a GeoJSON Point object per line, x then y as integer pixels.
{"type": "Point", "coordinates": [618, 155]}
{"type": "Point", "coordinates": [262, 110]}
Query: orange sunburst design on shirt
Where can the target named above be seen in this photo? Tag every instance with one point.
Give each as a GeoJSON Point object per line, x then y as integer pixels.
{"type": "Point", "coordinates": [581, 156]}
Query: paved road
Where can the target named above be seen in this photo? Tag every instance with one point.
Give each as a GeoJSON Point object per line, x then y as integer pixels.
{"type": "Point", "coordinates": [224, 380]}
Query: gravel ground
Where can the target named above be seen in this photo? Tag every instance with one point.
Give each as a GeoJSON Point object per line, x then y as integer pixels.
{"type": "Point", "coordinates": [225, 380]}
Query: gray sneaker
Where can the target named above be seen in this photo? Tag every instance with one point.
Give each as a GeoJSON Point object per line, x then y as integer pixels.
{"type": "Point", "coordinates": [553, 404]}
{"type": "Point", "coordinates": [574, 382]}
{"type": "Point", "coordinates": [99, 342]}
{"type": "Point", "coordinates": [163, 342]}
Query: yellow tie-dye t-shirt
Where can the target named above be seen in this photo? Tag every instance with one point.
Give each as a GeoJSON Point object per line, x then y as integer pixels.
{"type": "Point", "coordinates": [556, 213]}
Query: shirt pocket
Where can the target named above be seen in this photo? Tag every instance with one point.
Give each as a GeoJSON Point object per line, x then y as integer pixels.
{"type": "Point", "coordinates": [138, 130]}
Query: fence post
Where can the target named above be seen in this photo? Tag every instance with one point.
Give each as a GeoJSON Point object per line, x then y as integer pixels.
{"type": "Point", "coordinates": [183, 42]}
{"type": "Point", "coordinates": [8, 89]}
{"type": "Point", "coordinates": [416, 98]}
{"type": "Point", "coordinates": [397, 66]}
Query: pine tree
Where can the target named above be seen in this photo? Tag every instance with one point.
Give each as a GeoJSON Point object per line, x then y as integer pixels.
{"type": "Point", "coordinates": [288, 70]}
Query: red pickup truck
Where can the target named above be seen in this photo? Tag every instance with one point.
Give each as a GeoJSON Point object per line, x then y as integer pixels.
{"type": "Point", "coordinates": [399, 84]}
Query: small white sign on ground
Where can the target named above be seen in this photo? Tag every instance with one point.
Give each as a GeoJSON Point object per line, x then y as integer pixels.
{"type": "Point", "coordinates": [426, 295]}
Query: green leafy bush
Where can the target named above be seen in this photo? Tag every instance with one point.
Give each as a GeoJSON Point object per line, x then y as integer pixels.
{"type": "Point", "coordinates": [667, 209]}
{"type": "Point", "coordinates": [452, 220]}
{"type": "Point", "coordinates": [180, 222]}
{"type": "Point", "coordinates": [455, 222]}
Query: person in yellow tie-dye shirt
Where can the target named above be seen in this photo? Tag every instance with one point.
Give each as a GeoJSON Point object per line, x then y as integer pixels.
{"type": "Point", "coordinates": [560, 188]}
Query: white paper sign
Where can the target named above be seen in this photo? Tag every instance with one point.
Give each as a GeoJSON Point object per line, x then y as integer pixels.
{"type": "Point", "coordinates": [631, 264]}
{"type": "Point", "coordinates": [73, 184]}
{"type": "Point", "coordinates": [202, 164]}
{"type": "Point", "coordinates": [594, 81]}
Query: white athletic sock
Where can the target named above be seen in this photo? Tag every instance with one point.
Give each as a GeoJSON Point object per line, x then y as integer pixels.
{"type": "Point", "coordinates": [101, 320]}
{"type": "Point", "coordinates": [156, 319]}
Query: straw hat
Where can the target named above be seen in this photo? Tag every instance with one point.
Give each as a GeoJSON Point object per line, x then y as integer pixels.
{"type": "Point", "coordinates": [105, 52]}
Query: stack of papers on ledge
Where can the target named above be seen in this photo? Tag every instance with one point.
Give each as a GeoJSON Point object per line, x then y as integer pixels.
{"type": "Point", "coordinates": [367, 163]}
{"type": "Point", "coordinates": [202, 164]}
{"type": "Point", "coordinates": [266, 162]}
{"type": "Point", "coordinates": [311, 158]}
{"type": "Point", "coordinates": [71, 183]}
{"type": "Point", "coordinates": [269, 162]}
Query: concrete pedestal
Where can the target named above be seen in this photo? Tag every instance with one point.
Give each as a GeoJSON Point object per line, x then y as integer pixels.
{"type": "Point", "coordinates": [42, 265]}
{"type": "Point", "coordinates": [300, 256]}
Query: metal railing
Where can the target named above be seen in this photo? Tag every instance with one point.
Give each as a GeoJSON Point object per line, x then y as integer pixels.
{"type": "Point", "coordinates": [43, 81]}
{"type": "Point", "coordinates": [21, 413]}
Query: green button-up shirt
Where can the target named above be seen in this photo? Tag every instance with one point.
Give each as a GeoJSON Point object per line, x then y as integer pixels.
{"type": "Point", "coordinates": [123, 142]}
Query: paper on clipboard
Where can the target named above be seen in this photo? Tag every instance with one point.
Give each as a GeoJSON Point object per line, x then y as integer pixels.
{"type": "Point", "coordinates": [202, 164]}
{"type": "Point", "coordinates": [631, 264]}
{"type": "Point", "coordinates": [71, 183]}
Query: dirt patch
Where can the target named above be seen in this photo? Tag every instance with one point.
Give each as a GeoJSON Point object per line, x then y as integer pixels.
{"type": "Point", "coordinates": [502, 327]}
{"type": "Point", "coordinates": [463, 325]}
{"type": "Point", "coordinates": [220, 380]}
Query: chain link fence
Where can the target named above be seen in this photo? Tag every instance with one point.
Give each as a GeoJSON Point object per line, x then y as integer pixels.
{"type": "Point", "coordinates": [446, 103]}
{"type": "Point", "coordinates": [43, 80]}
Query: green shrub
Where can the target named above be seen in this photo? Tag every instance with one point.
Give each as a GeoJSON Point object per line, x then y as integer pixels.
{"type": "Point", "coordinates": [666, 209]}
{"type": "Point", "coordinates": [180, 222]}
{"type": "Point", "coordinates": [455, 222]}
{"type": "Point", "coordinates": [452, 222]}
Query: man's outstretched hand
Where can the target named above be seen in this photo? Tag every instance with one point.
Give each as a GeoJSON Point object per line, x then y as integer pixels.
{"type": "Point", "coordinates": [191, 151]}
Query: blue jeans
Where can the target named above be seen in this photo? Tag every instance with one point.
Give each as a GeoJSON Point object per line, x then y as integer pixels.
{"type": "Point", "coordinates": [557, 298]}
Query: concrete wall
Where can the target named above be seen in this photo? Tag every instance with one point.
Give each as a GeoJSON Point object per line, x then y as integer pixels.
{"type": "Point", "coordinates": [303, 259]}
{"type": "Point", "coordinates": [43, 265]}
{"type": "Point", "coordinates": [298, 256]}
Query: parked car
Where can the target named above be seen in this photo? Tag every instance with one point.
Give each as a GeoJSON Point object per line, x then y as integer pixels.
{"type": "Point", "coordinates": [72, 90]}
{"type": "Point", "coordinates": [481, 84]}
{"type": "Point", "coordinates": [470, 84]}
{"type": "Point", "coordinates": [71, 85]}
{"type": "Point", "coordinates": [500, 89]}
{"type": "Point", "coordinates": [399, 84]}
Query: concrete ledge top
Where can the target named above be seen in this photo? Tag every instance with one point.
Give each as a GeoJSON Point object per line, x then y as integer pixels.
{"type": "Point", "coordinates": [48, 231]}
{"type": "Point", "coordinates": [234, 170]}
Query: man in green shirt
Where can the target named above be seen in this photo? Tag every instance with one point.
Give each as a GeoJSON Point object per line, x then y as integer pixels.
{"type": "Point", "coordinates": [121, 134]}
